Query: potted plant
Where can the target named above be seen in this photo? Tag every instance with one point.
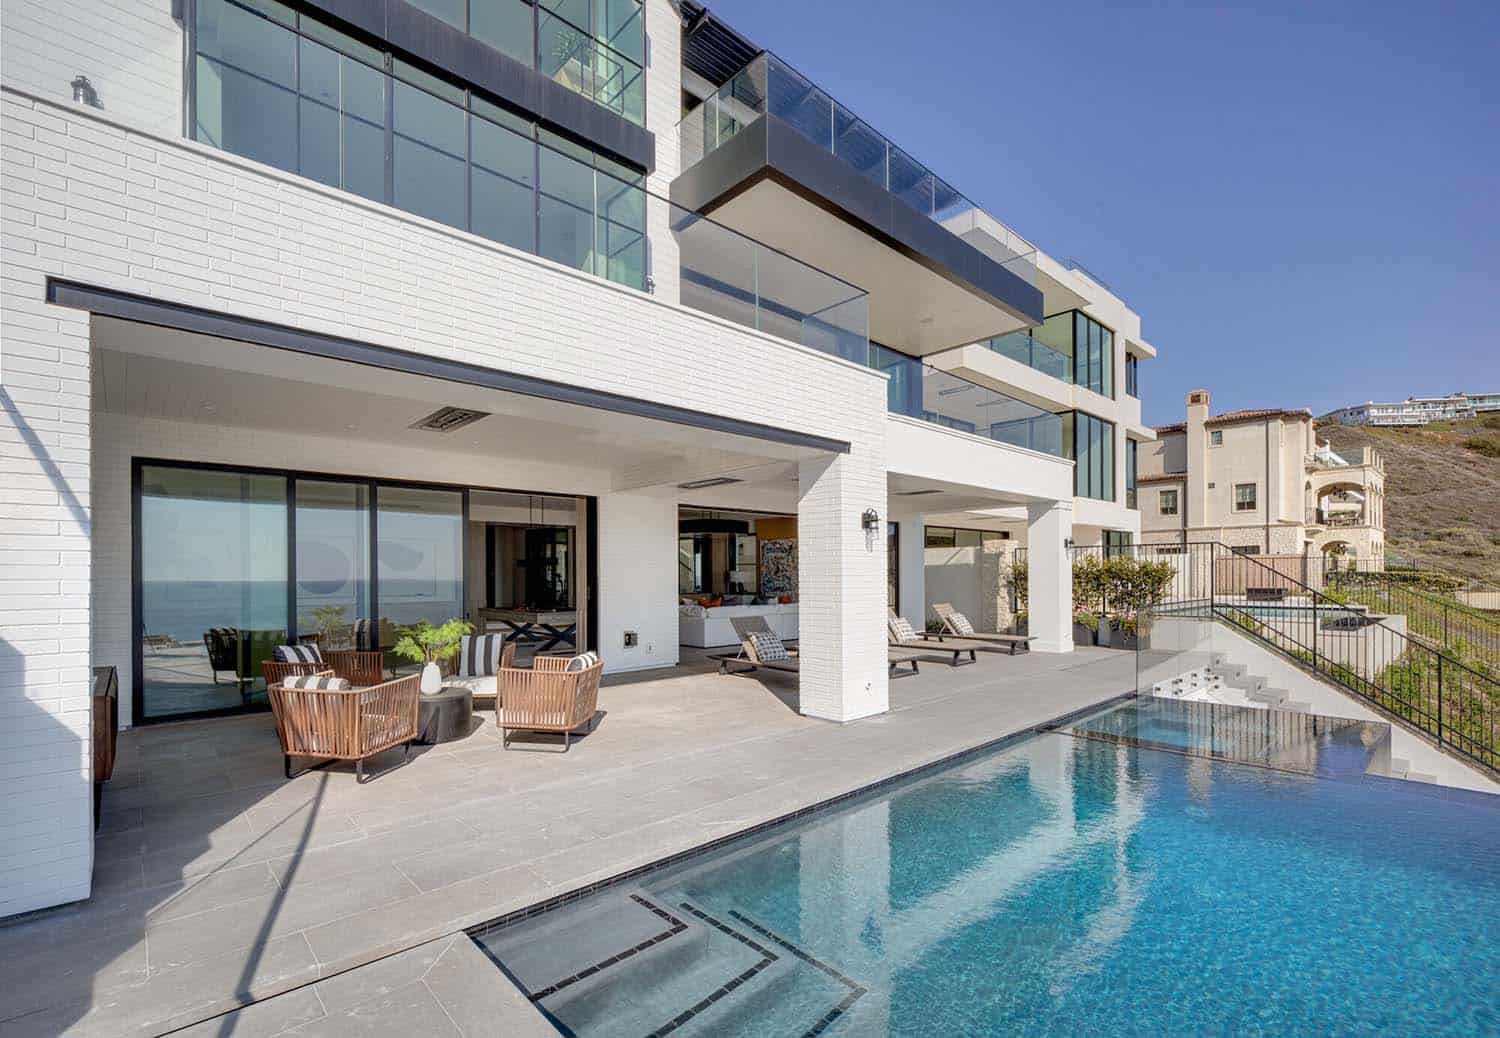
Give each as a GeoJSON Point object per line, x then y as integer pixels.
{"type": "Point", "coordinates": [329, 622]}
{"type": "Point", "coordinates": [426, 644]}
{"type": "Point", "coordinates": [1085, 628]}
{"type": "Point", "coordinates": [1021, 625]}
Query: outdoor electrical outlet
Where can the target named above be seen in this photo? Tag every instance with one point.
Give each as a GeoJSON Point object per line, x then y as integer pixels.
{"type": "Point", "coordinates": [631, 639]}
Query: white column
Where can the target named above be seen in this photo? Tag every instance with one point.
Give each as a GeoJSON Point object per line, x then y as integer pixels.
{"type": "Point", "coordinates": [46, 812]}
{"type": "Point", "coordinates": [841, 571]}
{"type": "Point", "coordinates": [1049, 576]}
{"type": "Point", "coordinates": [911, 562]}
{"type": "Point", "coordinates": [637, 590]}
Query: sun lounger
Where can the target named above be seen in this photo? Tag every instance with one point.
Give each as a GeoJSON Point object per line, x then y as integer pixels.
{"type": "Point", "coordinates": [904, 636]}
{"type": "Point", "coordinates": [957, 625]}
{"type": "Point", "coordinates": [762, 649]}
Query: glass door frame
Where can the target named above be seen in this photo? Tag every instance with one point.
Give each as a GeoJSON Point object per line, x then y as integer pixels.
{"type": "Point", "coordinates": [585, 600]}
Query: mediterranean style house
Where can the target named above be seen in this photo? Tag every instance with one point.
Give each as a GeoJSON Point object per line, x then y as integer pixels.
{"type": "Point", "coordinates": [326, 317]}
{"type": "Point", "coordinates": [1260, 482]}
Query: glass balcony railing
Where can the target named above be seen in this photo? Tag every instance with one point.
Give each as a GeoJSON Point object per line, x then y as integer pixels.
{"type": "Point", "coordinates": [918, 390]}
{"type": "Point", "coordinates": [1024, 347]}
{"type": "Point", "coordinates": [725, 273]}
{"type": "Point", "coordinates": [769, 84]}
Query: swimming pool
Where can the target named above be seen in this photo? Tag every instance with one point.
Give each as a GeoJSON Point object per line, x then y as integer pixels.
{"type": "Point", "coordinates": [1066, 884]}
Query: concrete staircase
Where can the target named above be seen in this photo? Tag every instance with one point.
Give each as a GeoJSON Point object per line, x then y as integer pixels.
{"type": "Point", "coordinates": [1223, 682]}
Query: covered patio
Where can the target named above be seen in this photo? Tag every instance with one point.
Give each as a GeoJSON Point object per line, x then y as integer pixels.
{"type": "Point", "coordinates": [218, 883]}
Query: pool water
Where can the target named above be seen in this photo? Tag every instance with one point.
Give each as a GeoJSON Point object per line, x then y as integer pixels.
{"type": "Point", "coordinates": [1063, 885]}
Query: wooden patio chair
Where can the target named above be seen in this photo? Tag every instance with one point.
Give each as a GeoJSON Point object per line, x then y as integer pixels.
{"type": "Point", "coordinates": [357, 666]}
{"type": "Point", "coordinates": [275, 672]}
{"type": "Point", "coordinates": [547, 697]}
{"type": "Point", "coordinates": [957, 625]}
{"type": "Point", "coordinates": [345, 724]}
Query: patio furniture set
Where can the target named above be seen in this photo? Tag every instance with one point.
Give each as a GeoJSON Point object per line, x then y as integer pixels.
{"type": "Point", "coordinates": [344, 705]}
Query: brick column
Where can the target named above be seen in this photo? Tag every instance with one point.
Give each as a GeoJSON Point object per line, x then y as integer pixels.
{"type": "Point", "coordinates": [841, 571]}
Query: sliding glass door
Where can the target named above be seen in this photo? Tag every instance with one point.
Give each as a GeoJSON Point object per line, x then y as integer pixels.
{"type": "Point", "coordinates": [212, 592]}
{"type": "Point", "coordinates": [231, 563]}
{"type": "Point", "coordinates": [419, 559]}
{"type": "Point", "coordinates": [333, 562]}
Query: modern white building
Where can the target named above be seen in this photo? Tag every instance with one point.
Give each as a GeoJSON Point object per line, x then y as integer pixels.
{"type": "Point", "coordinates": [1419, 410]}
{"type": "Point", "coordinates": [325, 317]}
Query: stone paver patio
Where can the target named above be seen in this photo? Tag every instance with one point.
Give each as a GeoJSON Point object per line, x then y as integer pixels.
{"type": "Point", "coordinates": [219, 883]}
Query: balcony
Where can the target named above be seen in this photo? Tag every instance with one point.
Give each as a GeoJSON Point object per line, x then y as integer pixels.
{"type": "Point", "coordinates": [918, 390]}
{"type": "Point", "coordinates": [1035, 354]}
{"type": "Point", "coordinates": [771, 154]}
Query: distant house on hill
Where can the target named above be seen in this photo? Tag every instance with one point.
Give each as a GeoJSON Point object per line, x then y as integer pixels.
{"type": "Point", "coordinates": [1419, 410]}
{"type": "Point", "coordinates": [1259, 481]}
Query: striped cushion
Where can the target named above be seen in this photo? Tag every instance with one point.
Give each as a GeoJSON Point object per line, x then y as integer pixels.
{"type": "Point", "coordinates": [308, 653]}
{"type": "Point", "coordinates": [583, 661]}
{"type": "Point", "coordinates": [901, 627]}
{"type": "Point", "coordinates": [768, 647]}
{"type": "Point", "coordinates": [961, 623]}
{"type": "Point", "coordinates": [312, 681]}
{"type": "Point", "coordinates": [479, 655]}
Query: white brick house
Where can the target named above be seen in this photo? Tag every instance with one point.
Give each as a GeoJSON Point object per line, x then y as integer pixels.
{"type": "Point", "coordinates": [181, 297]}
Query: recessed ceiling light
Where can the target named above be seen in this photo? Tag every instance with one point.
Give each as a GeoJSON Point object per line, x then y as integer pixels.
{"type": "Point", "coordinates": [713, 481]}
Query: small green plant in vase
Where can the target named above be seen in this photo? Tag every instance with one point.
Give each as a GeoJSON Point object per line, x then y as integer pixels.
{"type": "Point", "coordinates": [427, 644]}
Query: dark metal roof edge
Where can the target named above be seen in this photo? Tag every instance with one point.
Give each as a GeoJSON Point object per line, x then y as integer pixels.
{"type": "Point", "coordinates": [182, 317]}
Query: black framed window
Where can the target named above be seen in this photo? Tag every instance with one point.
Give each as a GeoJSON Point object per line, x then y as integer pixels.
{"type": "Point", "coordinates": [1118, 543]}
{"type": "Point", "coordinates": [1130, 473]}
{"type": "Point", "coordinates": [1167, 502]}
{"type": "Point", "coordinates": [960, 537]}
{"type": "Point", "coordinates": [277, 85]}
{"type": "Point", "coordinates": [1244, 497]}
{"type": "Point", "coordinates": [1092, 449]}
{"type": "Point", "coordinates": [1132, 383]}
{"type": "Point", "coordinates": [1093, 355]}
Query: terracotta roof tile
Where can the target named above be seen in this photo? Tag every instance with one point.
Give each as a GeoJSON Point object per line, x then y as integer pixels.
{"type": "Point", "coordinates": [1252, 414]}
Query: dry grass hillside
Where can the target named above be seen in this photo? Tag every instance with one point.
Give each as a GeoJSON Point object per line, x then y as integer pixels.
{"type": "Point", "coordinates": [1442, 485]}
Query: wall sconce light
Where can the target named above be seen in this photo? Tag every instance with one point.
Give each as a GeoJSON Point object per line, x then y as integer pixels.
{"type": "Point", "coordinates": [84, 92]}
{"type": "Point", "coordinates": [870, 520]}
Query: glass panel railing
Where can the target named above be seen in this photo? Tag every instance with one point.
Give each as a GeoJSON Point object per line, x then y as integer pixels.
{"type": "Point", "coordinates": [729, 275]}
{"type": "Point", "coordinates": [769, 84]}
{"type": "Point", "coordinates": [1035, 354]}
{"type": "Point", "coordinates": [921, 391]}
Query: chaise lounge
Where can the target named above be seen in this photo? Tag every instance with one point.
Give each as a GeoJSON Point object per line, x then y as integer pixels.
{"type": "Point", "coordinates": [904, 636]}
{"type": "Point", "coordinates": [957, 625]}
{"type": "Point", "coordinates": [762, 649]}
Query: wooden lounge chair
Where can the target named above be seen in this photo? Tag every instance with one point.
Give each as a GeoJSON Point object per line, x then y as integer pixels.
{"type": "Point", "coordinates": [957, 625]}
{"type": "Point", "coordinates": [357, 666]}
{"type": "Point", "coordinates": [554, 695]}
{"type": "Point", "coordinates": [904, 636]}
{"type": "Point", "coordinates": [345, 724]}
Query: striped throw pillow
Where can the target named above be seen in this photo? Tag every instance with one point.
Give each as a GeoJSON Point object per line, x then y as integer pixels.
{"type": "Point", "coordinates": [309, 653]}
{"type": "Point", "coordinates": [479, 655]}
{"type": "Point", "coordinates": [583, 661]}
{"type": "Point", "coordinates": [901, 627]}
{"type": "Point", "coordinates": [310, 681]}
{"type": "Point", "coordinates": [768, 647]}
{"type": "Point", "coordinates": [961, 623]}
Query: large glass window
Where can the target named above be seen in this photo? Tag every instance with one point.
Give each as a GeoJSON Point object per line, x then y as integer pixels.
{"type": "Point", "coordinates": [429, 160]}
{"type": "Point", "coordinates": [1093, 355]}
{"type": "Point", "coordinates": [284, 89]}
{"type": "Point", "coordinates": [213, 595]}
{"type": "Point", "coordinates": [506, 25]}
{"type": "Point", "coordinates": [1130, 496]}
{"type": "Point", "coordinates": [419, 558]}
{"type": "Point", "coordinates": [333, 561]}
{"type": "Point", "coordinates": [1093, 453]}
{"type": "Point", "coordinates": [1132, 384]}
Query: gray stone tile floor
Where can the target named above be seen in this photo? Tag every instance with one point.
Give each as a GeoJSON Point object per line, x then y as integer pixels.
{"type": "Point", "coordinates": [232, 901]}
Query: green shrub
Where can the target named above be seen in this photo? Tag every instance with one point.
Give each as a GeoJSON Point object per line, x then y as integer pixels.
{"type": "Point", "coordinates": [1485, 445]}
{"type": "Point", "coordinates": [424, 643]}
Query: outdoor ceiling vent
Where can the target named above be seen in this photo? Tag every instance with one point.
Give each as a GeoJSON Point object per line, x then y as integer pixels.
{"type": "Point", "coordinates": [713, 481]}
{"type": "Point", "coordinates": [916, 493]}
{"type": "Point", "coordinates": [447, 419]}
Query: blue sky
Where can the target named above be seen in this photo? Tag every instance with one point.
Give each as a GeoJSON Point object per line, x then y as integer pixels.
{"type": "Point", "coordinates": [1302, 201]}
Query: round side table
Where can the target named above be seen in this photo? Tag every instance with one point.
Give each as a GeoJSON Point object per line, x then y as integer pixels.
{"type": "Point", "coordinates": [445, 715]}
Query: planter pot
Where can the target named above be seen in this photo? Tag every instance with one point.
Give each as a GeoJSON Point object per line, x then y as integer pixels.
{"type": "Point", "coordinates": [1120, 638]}
{"type": "Point", "coordinates": [1102, 636]}
{"type": "Point", "coordinates": [432, 679]}
{"type": "Point", "coordinates": [1022, 627]}
{"type": "Point", "coordinates": [1082, 635]}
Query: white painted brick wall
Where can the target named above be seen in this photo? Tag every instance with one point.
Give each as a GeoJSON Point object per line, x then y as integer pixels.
{"type": "Point", "coordinates": [130, 50]}
{"type": "Point", "coordinates": [90, 198]}
{"type": "Point", "coordinates": [638, 579]}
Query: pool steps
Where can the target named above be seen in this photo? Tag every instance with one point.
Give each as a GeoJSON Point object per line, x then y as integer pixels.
{"type": "Point", "coordinates": [1221, 677]}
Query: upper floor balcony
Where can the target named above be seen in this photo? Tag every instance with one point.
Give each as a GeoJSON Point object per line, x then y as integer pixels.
{"type": "Point", "coordinates": [1326, 459]}
{"type": "Point", "coordinates": [771, 154]}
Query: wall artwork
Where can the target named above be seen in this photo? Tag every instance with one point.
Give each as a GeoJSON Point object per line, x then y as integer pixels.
{"type": "Point", "coordinates": [778, 568]}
